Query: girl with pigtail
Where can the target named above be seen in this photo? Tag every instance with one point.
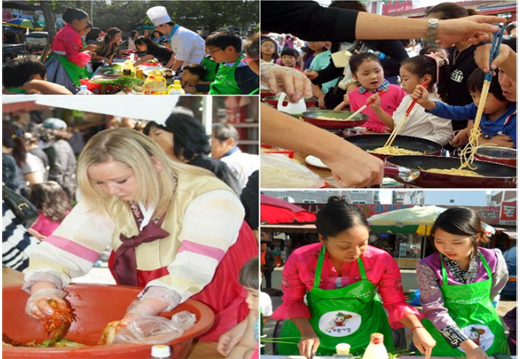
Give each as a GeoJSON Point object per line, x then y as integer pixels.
{"type": "Point", "coordinates": [430, 70]}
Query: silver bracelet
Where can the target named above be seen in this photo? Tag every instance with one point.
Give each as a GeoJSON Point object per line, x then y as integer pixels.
{"type": "Point", "coordinates": [431, 33]}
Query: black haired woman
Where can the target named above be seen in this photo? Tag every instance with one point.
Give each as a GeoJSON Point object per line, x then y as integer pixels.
{"type": "Point", "coordinates": [341, 276]}
{"type": "Point", "coordinates": [458, 285]}
{"type": "Point", "coordinates": [66, 63]}
{"type": "Point", "coordinates": [107, 47]}
{"type": "Point", "coordinates": [131, 39]}
{"type": "Point", "coordinates": [161, 53]}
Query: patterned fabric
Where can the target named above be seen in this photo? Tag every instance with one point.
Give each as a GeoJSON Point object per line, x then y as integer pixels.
{"type": "Point", "coordinates": [458, 274]}
{"type": "Point", "coordinates": [381, 269]}
{"type": "Point", "coordinates": [67, 40]}
{"type": "Point", "coordinates": [381, 88]}
{"type": "Point", "coordinates": [453, 335]}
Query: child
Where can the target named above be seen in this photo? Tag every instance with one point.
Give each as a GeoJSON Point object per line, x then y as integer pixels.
{"type": "Point", "coordinates": [321, 61]}
{"type": "Point", "coordinates": [351, 86]}
{"type": "Point", "coordinates": [66, 62]}
{"type": "Point", "coordinates": [431, 70]}
{"type": "Point", "coordinates": [28, 76]}
{"type": "Point", "coordinates": [290, 58]}
{"type": "Point", "coordinates": [498, 123]}
{"type": "Point", "coordinates": [269, 50]}
{"type": "Point", "coordinates": [161, 53]}
{"type": "Point", "coordinates": [53, 204]}
{"type": "Point", "coordinates": [233, 76]}
{"type": "Point", "coordinates": [458, 285]}
{"type": "Point", "coordinates": [241, 342]}
{"type": "Point", "coordinates": [367, 70]}
{"type": "Point", "coordinates": [191, 77]}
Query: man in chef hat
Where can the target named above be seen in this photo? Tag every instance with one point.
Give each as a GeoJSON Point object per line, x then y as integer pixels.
{"type": "Point", "coordinates": [187, 45]}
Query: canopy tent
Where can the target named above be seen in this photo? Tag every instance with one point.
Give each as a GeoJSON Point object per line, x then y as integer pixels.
{"type": "Point", "coordinates": [274, 210]}
{"type": "Point", "coordinates": [418, 219]}
{"type": "Point", "coordinates": [289, 228]}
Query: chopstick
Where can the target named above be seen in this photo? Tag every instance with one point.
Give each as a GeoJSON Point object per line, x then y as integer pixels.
{"type": "Point", "coordinates": [362, 108]}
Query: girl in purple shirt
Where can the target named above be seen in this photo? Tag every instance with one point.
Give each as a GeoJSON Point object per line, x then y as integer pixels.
{"type": "Point", "coordinates": [458, 286]}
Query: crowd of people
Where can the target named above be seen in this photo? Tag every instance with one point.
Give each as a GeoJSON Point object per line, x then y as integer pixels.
{"type": "Point", "coordinates": [215, 65]}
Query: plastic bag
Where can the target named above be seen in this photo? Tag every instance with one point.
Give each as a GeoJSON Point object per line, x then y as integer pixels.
{"type": "Point", "coordinates": [148, 330]}
{"type": "Point", "coordinates": [184, 320]}
{"type": "Point", "coordinates": [279, 171]}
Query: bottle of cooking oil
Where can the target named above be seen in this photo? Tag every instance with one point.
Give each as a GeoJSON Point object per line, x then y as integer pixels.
{"type": "Point", "coordinates": [128, 67]}
{"type": "Point", "coordinates": [160, 85]}
{"type": "Point", "coordinates": [149, 85]}
{"type": "Point", "coordinates": [176, 88]}
{"type": "Point", "coordinates": [343, 352]}
{"type": "Point", "coordinates": [376, 349]}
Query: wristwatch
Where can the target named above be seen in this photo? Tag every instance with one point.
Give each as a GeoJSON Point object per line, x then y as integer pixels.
{"type": "Point", "coordinates": [431, 33]}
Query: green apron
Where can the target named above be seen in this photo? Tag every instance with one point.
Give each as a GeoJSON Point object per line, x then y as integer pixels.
{"type": "Point", "coordinates": [345, 315]}
{"type": "Point", "coordinates": [470, 306]}
{"type": "Point", "coordinates": [74, 71]}
{"type": "Point", "coordinates": [225, 83]}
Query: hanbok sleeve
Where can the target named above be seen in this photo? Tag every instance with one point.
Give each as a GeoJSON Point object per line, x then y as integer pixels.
{"type": "Point", "coordinates": [500, 276]}
{"type": "Point", "coordinates": [391, 291]}
{"type": "Point", "coordinates": [72, 47]}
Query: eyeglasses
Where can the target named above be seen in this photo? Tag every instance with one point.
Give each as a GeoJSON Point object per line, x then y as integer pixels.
{"type": "Point", "coordinates": [245, 61]}
{"type": "Point", "coordinates": [213, 51]}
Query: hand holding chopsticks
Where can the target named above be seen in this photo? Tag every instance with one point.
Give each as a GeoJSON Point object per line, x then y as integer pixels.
{"type": "Point", "coordinates": [362, 108]}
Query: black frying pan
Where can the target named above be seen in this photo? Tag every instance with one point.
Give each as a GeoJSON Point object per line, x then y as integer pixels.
{"type": "Point", "coordinates": [373, 141]}
{"type": "Point", "coordinates": [496, 175]}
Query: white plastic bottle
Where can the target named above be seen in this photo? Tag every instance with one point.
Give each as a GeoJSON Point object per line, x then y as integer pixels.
{"type": "Point", "coordinates": [376, 349]}
{"type": "Point", "coordinates": [343, 352]}
{"type": "Point", "coordinates": [160, 352]}
{"type": "Point", "coordinates": [176, 88]}
{"type": "Point", "coordinates": [84, 91]}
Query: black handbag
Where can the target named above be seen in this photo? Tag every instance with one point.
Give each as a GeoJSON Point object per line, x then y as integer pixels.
{"type": "Point", "coordinates": [21, 207]}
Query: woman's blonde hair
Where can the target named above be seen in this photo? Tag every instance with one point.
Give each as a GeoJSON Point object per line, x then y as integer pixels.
{"type": "Point", "coordinates": [140, 154]}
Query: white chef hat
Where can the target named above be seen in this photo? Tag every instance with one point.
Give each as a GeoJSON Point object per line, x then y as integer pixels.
{"type": "Point", "coordinates": [158, 15]}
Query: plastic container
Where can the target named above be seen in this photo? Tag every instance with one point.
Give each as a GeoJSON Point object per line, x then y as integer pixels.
{"type": "Point", "coordinates": [176, 88]}
{"type": "Point", "coordinates": [149, 85]}
{"type": "Point", "coordinates": [376, 349]}
{"type": "Point", "coordinates": [128, 68]}
{"type": "Point", "coordinates": [94, 306]}
{"type": "Point", "coordinates": [83, 90]}
{"type": "Point", "coordinates": [160, 352]}
{"type": "Point", "coordinates": [160, 86]}
{"type": "Point", "coordinates": [343, 352]}
{"type": "Point", "coordinates": [291, 108]}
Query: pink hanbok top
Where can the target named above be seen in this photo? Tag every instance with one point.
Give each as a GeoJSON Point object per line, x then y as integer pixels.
{"type": "Point", "coordinates": [67, 42]}
{"type": "Point", "coordinates": [380, 267]}
{"type": "Point", "coordinates": [44, 225]}
{"type": "Point", "coordinates": [389, 103]}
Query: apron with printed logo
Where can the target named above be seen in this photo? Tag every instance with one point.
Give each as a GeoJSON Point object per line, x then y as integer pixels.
{"type": "Point", "coordinates": [345, 315]}
{"type": "Point", "coordinates": [225, 83]}
{"type": "Point", "coordinates": [470, 306]}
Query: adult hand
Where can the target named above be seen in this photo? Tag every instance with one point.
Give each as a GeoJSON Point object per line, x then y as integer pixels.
{"type": "Point", "coordinates": [311, 74]}
{"type": "Point", "coordinates": [142, 308]}
{"type": "Point", "coordinates": [108, 61]}
{"type": "Point", "coordinates": [473, 351]}
{"type": "Point", "coordinates": [473, 29]}
{"type": "Point", "coordinates": [38, 304]}
{"type": "Point", "coordinates": [482, 54]}
{"type": "Point", "coordinates": [424, 342]}
{"type": "Point", "coordinates": [309, 346]}
{"type": "Point", "coordinates": [353, 167]}
{"type": "Point", "coordinates": [231, 338]}
{"type": "Point", "coordinates": [90, 47]}
{"type": "Point", "coordinates": [286, 79]}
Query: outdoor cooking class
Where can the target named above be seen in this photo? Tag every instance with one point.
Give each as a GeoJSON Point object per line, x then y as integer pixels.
{"type": "Point", "coordinates": [324, 179]}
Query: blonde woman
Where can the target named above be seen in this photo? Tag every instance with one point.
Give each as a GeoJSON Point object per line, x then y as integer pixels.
{"type": "Point", "coordinates": [177, 231]}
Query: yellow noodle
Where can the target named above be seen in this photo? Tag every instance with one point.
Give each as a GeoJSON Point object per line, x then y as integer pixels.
{"type": "Point", "coordinates": [393, 150]}
{"type": "Point", "coordinates": [330, 118]}
{"type": "Point", "coordinates": [454, 172]}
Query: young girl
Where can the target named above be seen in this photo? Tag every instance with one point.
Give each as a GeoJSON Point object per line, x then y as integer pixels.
{"type": "Point", "coordinates": [458, 284]}
{"type": "Point", "coordinates": [367, 70]}
{"type": "Point", "coordinates": [321, 61]}
{"type": "Point", "coordinates": [158, 37]}
{"type": "Point", "coordinates": [53, 204]}
{"type": "Point", "coordinates": [498, 123]}
{"type": "Point", "coordinates": [341, 276]}
{"type": "Point", "coordinates": [241, 342]}
{"type": "Point", "coordinates": [269, 50]}
{"type": "Point", "coordinates": [290, 58]}
{"type": "Point", "coordinates": [161, 53]}
{"type": "Point", "coordinates": [431, 70]}
{"type": "Point", "coordinates": [65, 65]}
{"type": "Point", "coordinates": [107, 47]}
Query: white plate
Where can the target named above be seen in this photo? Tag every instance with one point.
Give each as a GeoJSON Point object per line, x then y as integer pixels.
{"type": "Point", "coordinates": [151, 69]}
{"type": "Point", "coordinates": [315, 161]}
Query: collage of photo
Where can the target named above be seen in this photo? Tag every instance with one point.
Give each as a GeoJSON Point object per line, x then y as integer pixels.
{"type": "Point", "coordinates": [323, 179]}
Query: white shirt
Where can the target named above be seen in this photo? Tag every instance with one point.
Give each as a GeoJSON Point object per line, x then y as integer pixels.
{"type": "Point", "coordinates": [422, 124]}
{"type": "Point", "coordinates": [187, 46]}
{"type": "Point", "coordinates": [266, 304]}
{"type": "Point", "coordinates": [242, 165]}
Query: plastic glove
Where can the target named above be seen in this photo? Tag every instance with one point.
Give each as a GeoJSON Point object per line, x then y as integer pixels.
{"type": "Point", "coordinates": [286, 79]}
{"type": "Point", "coordinates": [143, 308]}
{"type": "Point", "coordinates": [38, 306]}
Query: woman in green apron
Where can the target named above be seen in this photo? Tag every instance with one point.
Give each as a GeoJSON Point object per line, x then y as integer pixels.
{"type": "Point", "coordinates": [340, 277]}
{"type": "Point", "coordinates": [66, 63]}
{"type": "Point", "coordinates": [459, 284]}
